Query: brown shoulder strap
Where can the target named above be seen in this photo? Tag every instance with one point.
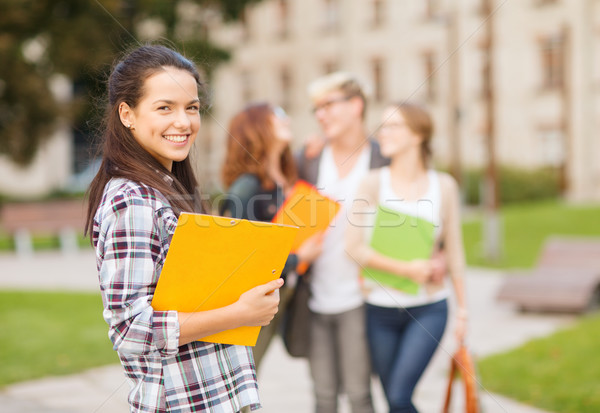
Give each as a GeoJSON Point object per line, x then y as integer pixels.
{"type": "Point", "coordinates": [450, 381]}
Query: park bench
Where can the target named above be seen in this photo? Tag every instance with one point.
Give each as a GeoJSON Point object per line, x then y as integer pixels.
{"type": "Point", "coordinates": [565, 279]}
{"type": "Point", "coordinates": [62, 218]}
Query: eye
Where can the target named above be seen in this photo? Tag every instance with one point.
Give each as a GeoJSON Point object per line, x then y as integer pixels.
{"type": "Point", "coordinates": [194, 108]}
{"type": "Point", "coordinates": [163, 108]}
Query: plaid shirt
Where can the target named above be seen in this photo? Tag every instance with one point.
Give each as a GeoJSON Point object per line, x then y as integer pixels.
{"type": "Point", "coordinates": [132, 230]}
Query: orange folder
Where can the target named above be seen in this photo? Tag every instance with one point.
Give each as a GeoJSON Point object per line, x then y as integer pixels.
{"type": "Point", "coordinates": [307, 209]}
{"type": "Point", "coordinates": [213, 260]}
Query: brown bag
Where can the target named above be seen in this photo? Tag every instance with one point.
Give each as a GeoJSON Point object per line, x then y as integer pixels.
{"type": "Point", "coordinates": [462, 363]}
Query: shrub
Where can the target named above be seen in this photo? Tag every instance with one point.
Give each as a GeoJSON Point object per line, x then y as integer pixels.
{"type": "Point", "coordinates": [516, 184]}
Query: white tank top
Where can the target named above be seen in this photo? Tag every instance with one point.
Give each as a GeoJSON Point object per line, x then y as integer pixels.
{"type": "Point", "coordinates": [428, 207]}
{"type": "Point", "coordinates": [335, 282]}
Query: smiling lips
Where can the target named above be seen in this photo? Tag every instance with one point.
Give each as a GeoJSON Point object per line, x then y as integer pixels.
{"type": "Point", "coordinates": [176, 138]}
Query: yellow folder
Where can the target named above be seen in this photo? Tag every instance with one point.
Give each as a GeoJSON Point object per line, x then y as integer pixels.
{"type": "Point", "coordinates": [213, 260]}
{"type": "Point", "coordinates": [308, 209]}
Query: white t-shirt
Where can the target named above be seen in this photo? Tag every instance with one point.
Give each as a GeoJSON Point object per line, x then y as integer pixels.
{"type": "Point", "coordinates": [335, 285]}
{"type": "Point", "coordinates": [427, 208]}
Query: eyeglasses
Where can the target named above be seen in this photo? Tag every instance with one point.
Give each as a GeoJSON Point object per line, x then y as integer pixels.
{"type": "Point", "coordinates": [279, 112]}
{"type": "Point", "coordinates": [328, 103]}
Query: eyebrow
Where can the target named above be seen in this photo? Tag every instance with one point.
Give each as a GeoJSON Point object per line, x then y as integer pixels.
{"type": "Point", "coordinates": [170, 102]}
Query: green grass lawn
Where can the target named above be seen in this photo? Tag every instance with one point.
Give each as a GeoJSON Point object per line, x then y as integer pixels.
{"type": "Point", "coordinates": [40, 242]}
{"type": "Point", "coordinates": [61, 333]}
{"type": "Point", "coordinates": [51, 333]}
{"type": "Point", "coordinates": [526, 227]}
{"type": "Point", "coordinates": [559, 373]}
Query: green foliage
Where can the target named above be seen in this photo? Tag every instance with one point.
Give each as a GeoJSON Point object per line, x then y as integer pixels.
{"type": "Point", "coordinates": [516, 185]}
{"type": "Point", "coordinates": [233, 9]}
{"type": "Point", "coordinates": [525, 227]}
{"type": "Point", "coordinates": [6, 242]}
{"type": "Point", "coordinates": [63, 31]}
{"type": "Point", "coordinates": [557, 373]}
{"type": "Point", "coordinates": [79, 39]}
{"type": "Point", "coordinates": [27, 107]}
{"type": "Point", "coordinates": [40, 242]}
{"type": "Point", "coordinates": [48, 333]}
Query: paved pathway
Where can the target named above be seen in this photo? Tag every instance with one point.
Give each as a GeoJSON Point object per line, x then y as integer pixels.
{"type": "Point", "coordinates": [285, 382]}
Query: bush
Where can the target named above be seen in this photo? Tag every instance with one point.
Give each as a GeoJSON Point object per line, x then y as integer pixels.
{"type": "Point", "coordinates": [516, 184]}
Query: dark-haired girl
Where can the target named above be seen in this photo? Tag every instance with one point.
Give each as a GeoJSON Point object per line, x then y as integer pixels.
{"type": "Point", "coordinates": [144, 183]}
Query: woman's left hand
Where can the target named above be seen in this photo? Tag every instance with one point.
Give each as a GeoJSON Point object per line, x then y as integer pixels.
{"type": "Point", "coordinates": [439, 268]}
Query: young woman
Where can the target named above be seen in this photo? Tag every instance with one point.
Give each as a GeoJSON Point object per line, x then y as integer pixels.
{"type": "Point", "coordinates": [404, 327]}
{"type": "Point", "coordinates": [144, 182]}
{"type": "Point", "coordinates": [259, 171]}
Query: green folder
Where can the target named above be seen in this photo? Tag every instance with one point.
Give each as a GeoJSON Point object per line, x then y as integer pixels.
{"type": "Point", "coordinates": [400, 236]}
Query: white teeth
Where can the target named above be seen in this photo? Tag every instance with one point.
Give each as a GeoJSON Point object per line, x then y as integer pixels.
{"type": "Point", "coordinates": [176, 138]}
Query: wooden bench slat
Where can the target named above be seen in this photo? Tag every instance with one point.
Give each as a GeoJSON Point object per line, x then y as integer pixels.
{"type": "Point", "coordinates": [43, 217]}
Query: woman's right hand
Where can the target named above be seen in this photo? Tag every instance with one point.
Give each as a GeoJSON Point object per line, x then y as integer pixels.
{"type": "Point", "coordinates": [420, 270]}
{"type": "Point", "coordinates": [311, 248]}
{"type": "Point", "coordinates": [259, 305]}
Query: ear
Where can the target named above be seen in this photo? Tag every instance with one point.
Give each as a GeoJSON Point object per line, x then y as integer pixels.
{"type": "Point", "coordinates": [417, 139]}
{"type": "Point", "coordinates": [126, 114]}
{"type": "Point", "coordinates": [358, 105]}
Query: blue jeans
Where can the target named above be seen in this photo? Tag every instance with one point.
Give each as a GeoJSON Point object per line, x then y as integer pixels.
{"type": "Point", "coordinates": [402, 342]}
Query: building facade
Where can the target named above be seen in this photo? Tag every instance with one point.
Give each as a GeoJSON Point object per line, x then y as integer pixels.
{"type": "Point", "coordinates": [525, 72]}
{"type": "Point", "coordinates": [524, 75]}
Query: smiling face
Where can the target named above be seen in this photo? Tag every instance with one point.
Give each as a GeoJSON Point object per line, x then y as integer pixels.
{"type": "Point", "coordinates": [166, 120]}
{"type": "Point", "coordinates": [395, 136]}
{"type": "Point", "coordinates": [336, 113]}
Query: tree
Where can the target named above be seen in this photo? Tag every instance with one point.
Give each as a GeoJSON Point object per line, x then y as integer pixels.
{"type": "Point", "coordinates": [80, 39]}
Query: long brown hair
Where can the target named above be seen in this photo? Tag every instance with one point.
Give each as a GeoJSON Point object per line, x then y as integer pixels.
{"type": "Point", "coordinates": [250, 137]}
{"type": "Point", "coordinates": [122, 156]}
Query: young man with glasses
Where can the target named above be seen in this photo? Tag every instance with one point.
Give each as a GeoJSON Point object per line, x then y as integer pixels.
{"type": "Point", "coordinates": [338, 355]}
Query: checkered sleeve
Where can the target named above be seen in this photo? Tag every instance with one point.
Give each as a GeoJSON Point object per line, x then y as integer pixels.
{"type": "Point", "coordinates": [132, 249]}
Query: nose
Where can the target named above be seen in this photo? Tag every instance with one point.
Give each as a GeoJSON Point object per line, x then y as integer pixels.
{"type": "Point", "coordinates": [182, 120]}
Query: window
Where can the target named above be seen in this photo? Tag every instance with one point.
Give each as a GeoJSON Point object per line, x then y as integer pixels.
{"type": "Point", "coordinates": [245, 22]}
{"type": "Point", "coordinates": [377, 13]}
{"type": "Point", "coordinates": [552, 59]}
{"type": "Point", "coordinates": [430, 83]}
{"type": "Point", "coordinates": [378, 80]}
{"type": "Point", "coordinates": [331, 15]}
{"type": "Point", "coordinates": [552, 146]}
{"type": "Point", "coordinates": [246, 86]}
{"type": "Point", "coordinates": [285, 77]}
{"type": "Point", "coordinates": [330, 66]}
{"type": "Point", "coordinates": [283, 18]}
{"type": "Point", "coordinates": [432, 9]}
{"type": "Point", "coordinates": [544, 2]}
